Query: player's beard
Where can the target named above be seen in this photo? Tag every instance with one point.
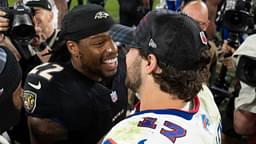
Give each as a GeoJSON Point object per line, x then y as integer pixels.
{"type": "Point", "coordinates": [94, 70]}
{"type": "Point", "coordinates": [133, 78]}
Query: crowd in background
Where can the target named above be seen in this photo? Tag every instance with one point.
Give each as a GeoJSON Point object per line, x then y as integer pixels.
{"type": "Point", "coordinates": [68, 80]}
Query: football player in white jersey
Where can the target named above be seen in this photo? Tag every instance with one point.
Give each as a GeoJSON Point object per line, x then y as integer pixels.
{"type": "Point", "coordinates": [166, 65]}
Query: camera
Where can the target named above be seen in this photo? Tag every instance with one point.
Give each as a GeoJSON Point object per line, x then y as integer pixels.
{"type": "Point", "coordinates": [239, 20]}
{"type": "Point", "coordinates": [21, 30]}
{"type": "Point", "coordinates": [246, 70]}
{"type": "Point", "coordinates": [237, 17]}
{"type": "Point", "coordinates": [21, 25]}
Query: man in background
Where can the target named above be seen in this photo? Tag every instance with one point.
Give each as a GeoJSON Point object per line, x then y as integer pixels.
{"type": "Point", "coordinates": [199, 11]}
{"type": "Point", "coordinates": [245, 103]}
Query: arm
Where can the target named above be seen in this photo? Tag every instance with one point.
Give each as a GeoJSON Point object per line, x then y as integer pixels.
{"type": "Point", "coordinates": [45, 131]}
{"type": "Point", "coordinates": [245, 122]}
{"type": "Point", "coordinates": [4, 40]}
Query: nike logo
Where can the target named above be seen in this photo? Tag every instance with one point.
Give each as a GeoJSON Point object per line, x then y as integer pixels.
{"type": "Point", "coordinates": [35, 86]}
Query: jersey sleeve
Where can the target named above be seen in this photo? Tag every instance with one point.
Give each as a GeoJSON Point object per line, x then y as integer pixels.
{"type": "Point", "coordinates": [41, 91]}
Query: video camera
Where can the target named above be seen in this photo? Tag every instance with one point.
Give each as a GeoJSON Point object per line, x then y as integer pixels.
{"type": "Point", "coordinates": [21, 24]}
{"type": "Point", "coordinates": [246, 70]}
{"type": "Point", "coordinates": [239, 20]}
{"type": "Point", "coordinates": [21, 30]}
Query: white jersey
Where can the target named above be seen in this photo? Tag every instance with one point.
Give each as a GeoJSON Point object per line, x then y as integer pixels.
{"type": "Point", "coordinates": [200, 125]}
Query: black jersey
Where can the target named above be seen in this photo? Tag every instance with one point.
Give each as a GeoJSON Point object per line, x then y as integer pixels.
{"type": "Point", "coordinates": [87, 109]}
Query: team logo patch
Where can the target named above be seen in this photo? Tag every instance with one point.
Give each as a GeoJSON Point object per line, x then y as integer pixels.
{"type": "Point", "coordinates": [29, 100]}
{"type": "Point", "coordinates": [114, 96]}
{"type": "Point", "coordinates": [101, 15]}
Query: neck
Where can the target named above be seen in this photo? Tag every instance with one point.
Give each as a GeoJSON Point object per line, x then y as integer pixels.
{"type": "Point", "coordinates": [152, 98]}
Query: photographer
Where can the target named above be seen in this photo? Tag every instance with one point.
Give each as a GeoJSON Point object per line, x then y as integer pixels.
{"type": "Point", "coordinates": [245, 103]}
{"type": "Point", "coordinates": [45, 35]}
{"type": "Point", "coordinates": [29, 54]}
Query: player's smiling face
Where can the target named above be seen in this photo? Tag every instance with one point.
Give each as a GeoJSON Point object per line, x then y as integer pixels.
{"type": "Point", "coordinates": [98, 55]}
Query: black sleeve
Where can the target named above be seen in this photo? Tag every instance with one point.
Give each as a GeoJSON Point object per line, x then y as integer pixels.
{"type": "Point", "coordinates": [41, 95]}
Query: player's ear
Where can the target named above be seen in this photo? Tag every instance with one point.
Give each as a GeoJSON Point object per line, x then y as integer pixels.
{"type": "Point", "coordinates": [72, 47]}
{"type": "Point", "coordinates": [152, 64]}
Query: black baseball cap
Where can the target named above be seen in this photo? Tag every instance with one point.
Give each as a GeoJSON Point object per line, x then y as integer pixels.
{"type": "Point", "coordinates": [45, 4]}
{"type": "Point", "coordinates": [175, 38]}
{"type": "Point", "coordinates": [84, 21]}
{"type": "Point", "coordinates": [123, 34]}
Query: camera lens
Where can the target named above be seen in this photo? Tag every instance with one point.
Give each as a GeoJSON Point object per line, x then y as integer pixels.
{"type": "Point", "coordinates": [246, 70]}
{"type": "Point", "coordinates": [250, 71]}
{"type": "Point", "coordinates": [23, 32]}
{"type": "Point", "coordinates": [22, 27]}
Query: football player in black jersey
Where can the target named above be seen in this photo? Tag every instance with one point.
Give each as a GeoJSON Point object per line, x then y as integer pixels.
{"type": "Point", "coordinates": [30, 55]}
{"type": "Point", "coordinates": [80, 100]}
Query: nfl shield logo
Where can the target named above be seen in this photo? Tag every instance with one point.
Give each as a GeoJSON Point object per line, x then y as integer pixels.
{"type": "Point", "coordinates": [114, 96]}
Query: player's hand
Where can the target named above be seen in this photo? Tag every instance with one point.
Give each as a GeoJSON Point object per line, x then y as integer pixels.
{"type": "Point", "coordinates": [226, 49]}
{"type": "Point", "coordinates": [226, 56]}
{"type": "Point", "coordinates": [4, 22]}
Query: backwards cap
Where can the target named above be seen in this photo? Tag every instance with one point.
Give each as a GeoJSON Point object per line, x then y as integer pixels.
{"type": "Point", "coordinates": [175, 38]}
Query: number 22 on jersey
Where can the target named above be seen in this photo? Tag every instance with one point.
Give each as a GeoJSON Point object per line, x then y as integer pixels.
{"type": "Point", "coordinates": [45, 70]}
